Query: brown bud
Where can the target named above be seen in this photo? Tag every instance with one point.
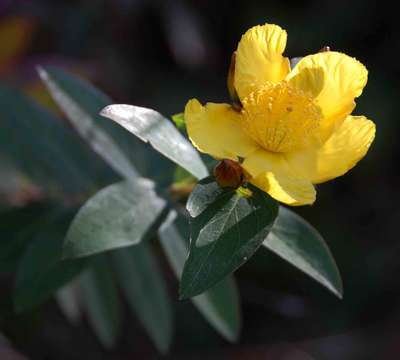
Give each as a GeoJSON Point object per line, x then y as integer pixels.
{"type": "Point", "coordinates": [229, 173]}
{"type": "Point", "coordinates": [231, 84]}
{"type": "Point", "coordinates": [325, 49]}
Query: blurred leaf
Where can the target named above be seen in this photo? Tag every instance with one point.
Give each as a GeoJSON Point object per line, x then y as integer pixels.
{"type": "Point", "coordinates": [117, 216]}
{"type": "Point", "coordinates": [226, 230]}
{"type": "Point", "coordinates": [296, 241]}
{"type": "Point", "coordinates": [91, 100]}
{"type": "Point", "coordinates": [45, 149]}
{"type": "Point", "coordinates": [40, 271]}
{"type": "Point", "coordinates": [17, 226]}
{"type": "Point", "coordinates": [145, 290]}
{"type": "Point", "coordinates": [100, 298]}
{"type": "Point", "coordinates": [220, 304]}
{"type": "Point", "coordinates": [84, 123]}
{"type": "Point", "coordinates": [150, 126]}
{"type": "Point", "coordinates": [68, 300]}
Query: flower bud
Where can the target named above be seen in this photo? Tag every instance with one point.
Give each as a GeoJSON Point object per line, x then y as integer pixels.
{"type": "Point", "coordinates": [231, 84]}
{"type": "Point", "coordinates": [325, 49]}
{"type": "Point", "coordinates": [229, 173]}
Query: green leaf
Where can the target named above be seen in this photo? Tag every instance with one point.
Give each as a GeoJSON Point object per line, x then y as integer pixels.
{"type": "Point", "coordinates": [296, 241]}
{"type": "Point", "coordinates": [150, 126]}
{"type": "Point", "coordinates": [226, 230]}
{"type": "Point", "coordinates": [219, 305]}
{"type": "Point", "coordinates": [147, 162]}
{"type": "Point", "coordinates": [17, 227]}
{"type": "Point", "coordinates": [117, 216]}
{"type": "Point", "coordinates": [100, 299]}
{"type": "Point", "coordinates": [45, 149]}
{"type": "Point", "coordinates": [68, 299]}
{"type": "Point", "coordinates": [40, 272]}
{"type": "Point", "coordinates": [83, 121]}
{"type": "Point", "coordinates": [145, 290]}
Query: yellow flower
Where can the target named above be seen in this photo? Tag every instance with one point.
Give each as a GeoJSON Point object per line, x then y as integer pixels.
{"type": "Point", "coordinates": [295, 128]}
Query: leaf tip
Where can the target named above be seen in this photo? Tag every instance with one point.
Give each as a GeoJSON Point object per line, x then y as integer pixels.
{"type": "Point", "coordinates": [105, 112]}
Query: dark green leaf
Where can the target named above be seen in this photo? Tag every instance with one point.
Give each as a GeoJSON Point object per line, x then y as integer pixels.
{"type": "Point", "coordinates": [226, 230]}
{"type": "Point", "coordinates": [220, 304]}
{"type": "Point", "coordinates": [144, 288]}
{"type": "Point", "coordinates": [152, 127]}
{"type": "Point", "coordinates": [84, 122]}
{"type": "Point", "coordinates": [40, 270]}
{"type": "Point", "coordinates": [296, 241]}
{"type": "Point", "coordinates": [45, 149]}
{"type": "Point", "coordinates": [100, 299]}
{"type": "Point", "coordinates": [117, 216]}
{"type": "Point", "coordinates": [17, 227]}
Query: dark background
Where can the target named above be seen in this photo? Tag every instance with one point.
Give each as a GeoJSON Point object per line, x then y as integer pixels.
{"type": "Point", "coordinates": [160, 53]}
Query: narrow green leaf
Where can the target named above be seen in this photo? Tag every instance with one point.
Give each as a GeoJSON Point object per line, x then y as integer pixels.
{"type": "Point", "coordinates": [117, 216]}
{"type": "Point", "coordinates": [40, 271]}
{"type": "Point", "coordinates": [84, 123]}
{"type": "Point", "coordinates": [219, 305]}
{"type": "Point", "coordinates": [45, 149]}
{"type": "Point", "coordinates": [226, 230]}
{"type": "Point", "coordinates": [68, 299]}
{"type": "Point", "coordinates": [296, 241]}
{"type": "Point", "coordinates": [100, 299]}
{"type": "Point", "coordinates": [150, 126]}
{"type": "Point", "coordinates": [144, 287]}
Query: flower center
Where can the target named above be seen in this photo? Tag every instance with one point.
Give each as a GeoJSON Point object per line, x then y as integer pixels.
{"type": "Point", "coordinates": [279, 117]}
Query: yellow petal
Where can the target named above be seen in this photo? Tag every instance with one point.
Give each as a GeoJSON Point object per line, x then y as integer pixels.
{"type": "Point", "coordinates": [259, 58]}
{"type": "Point", "coordinates": [335, 80]}
{"type": "Point", "coordinates": [271, 173]}
{"type": "Point", "coordinates": [345, 147]}
{"type": "Point", "coordinates": [216, 129]}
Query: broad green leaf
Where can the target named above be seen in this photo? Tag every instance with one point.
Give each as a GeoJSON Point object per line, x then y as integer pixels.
{"type": "Point", "coordinates": [144, 287]}
{"type": "Point", "coordinates": [219, 305]}
{"type": "Point", "coordinates": [150, 126]}
{"type": "Point", "coordinates": [117, 216]}
{"type": "Point", "coordinates": [40, 271]}
{"type": "Point", "coordinates": [85, 125]}
{"type": "Point", "coordinates": [226, 230]}
{"type": "Point", "coordinates": [45, 149]}
{"type": "Point", "coordinates": [296, 241]}
{"type": "Point", "coordinates": [100, 299]}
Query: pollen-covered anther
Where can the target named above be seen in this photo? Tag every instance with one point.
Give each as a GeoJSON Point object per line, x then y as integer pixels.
{"type": "Point", "coordinates": [279, 117]}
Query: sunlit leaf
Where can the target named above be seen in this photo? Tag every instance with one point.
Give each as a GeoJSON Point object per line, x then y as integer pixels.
{"type": "Point", "coordinates": [296, 241]}
{"type": "Point", "coordinates": [150, 126]}
{"type": "Point", "coordinates": [219, 305]}
{"type": "Point", "coordinates": [145, 291]}
{"type": "Point", "coordinates": [117, 216]}
{"type": "Point", "coordinates": [226, 230]}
